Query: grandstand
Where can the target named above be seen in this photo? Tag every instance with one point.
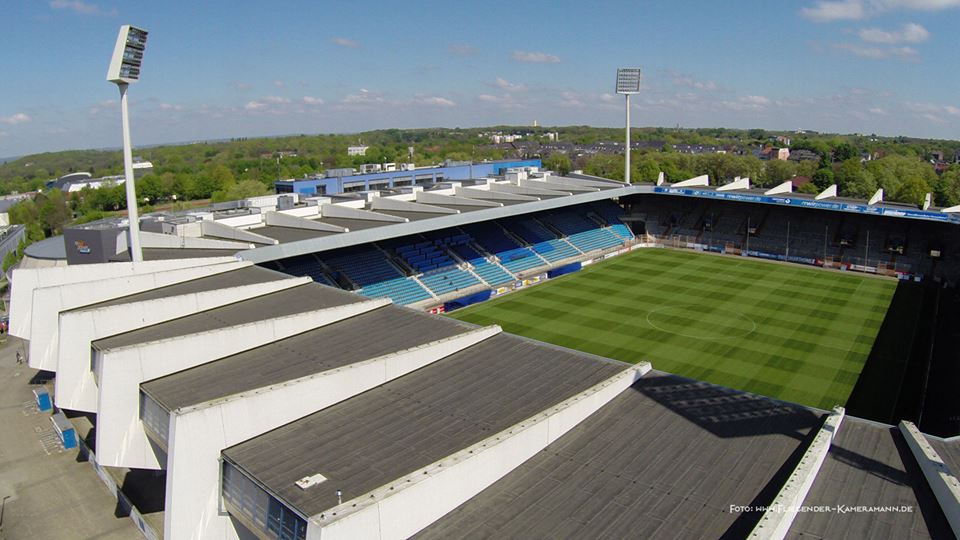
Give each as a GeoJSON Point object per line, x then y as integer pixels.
{"type": "Point", "coordinates": [282, 391]}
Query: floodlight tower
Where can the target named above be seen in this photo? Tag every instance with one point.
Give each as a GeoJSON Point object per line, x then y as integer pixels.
{"type": "Point", "coordinates": [628, 82]}
{"type": "Point", "coordinates": [125, 69]}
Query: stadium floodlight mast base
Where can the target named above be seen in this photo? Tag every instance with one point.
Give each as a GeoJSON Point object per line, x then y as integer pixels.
{"type": "Point", "coordinates": [125, 69]}
{"type": "Point", "coordinates": [628, 82]}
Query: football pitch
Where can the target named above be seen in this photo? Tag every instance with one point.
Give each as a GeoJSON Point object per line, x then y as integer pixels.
{"type": "Point", "coordinates": [784, 331]}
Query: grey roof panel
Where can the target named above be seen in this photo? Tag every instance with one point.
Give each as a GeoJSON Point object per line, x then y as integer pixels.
{"type": "Point", "coordinates": [306, 297]}
{"type": "Point", "coordinates": [355, 224]}
{"type": "Point", "coordinates": [235, 278]}
{"type": "Point", "coordinates": [358, 338]}
{"type": "Point", "coordinates": [949, 452]}
{"type": "Point", "coordinates": [289, 234]}
{"type": "Point", "coordinates": [870, 464]}
{"type": "Point", "coordinates": [666, 458]}
{"type": "Point", "coordinates": [412, 216]}
{"type": "Point", "coordinates": [385, 433]}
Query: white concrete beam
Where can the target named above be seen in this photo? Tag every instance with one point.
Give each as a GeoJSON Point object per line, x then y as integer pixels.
{"type": "Point", "coordinates": [427, 197]}
{"type": "Point", "coordinates": [786, 187]}
{"type": "Point", "coordinates": [405, 506]}
{"type": "Point", "coordinates": [75, 387]}
{"type": "Point", "coordinates": [927, 201]}
{"type": "Point", "coordinates": [121, 439]}
{"type": "Point", "coordinates": [472, 193]}
{"type": "Point", "coordinates": [777, 520]}
{"type": "Point", "coordinates": [48, 302]}
{"type": "Point", "coordinates": [702, 180]}
{"type": "Point", "coordinates": [527, 190]}
{"type": "Point", "coordinates": [738, 183]}
{"type": "Point", "coordinates": [24, 280]}
{"type": "Point", "coordinates": [340, 211]}
{"type": "Point", "coordinates": [209, 227]}
{"type": "Point", "coordinates": [391, 203]}
{"type": "Point", "coordinates": [160, 240]}
{"type": "Point", "coordinates": [279, 219]}
{"type": "Point", "coordinates": [941, 480]}
{"type": "Point", "coordinates": [876, 198]}
{"type": "Point", "coordinates": [828, 193]}
{"type": "Point", "coordinates": [660, 178]}
{"type": "Point", "coordinates": [554, 183]}
{"type": "Point", "coordinates": [198, 434]}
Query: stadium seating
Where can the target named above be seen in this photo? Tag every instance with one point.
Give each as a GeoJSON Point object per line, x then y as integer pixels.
{"type": "Point", "coordinates": [489, 272]}
{"type": "Point", "coordinates": [581, 231]}
{"type": "Point", "coordinates": [611, 212]}
{"type": "Point", "coordinates": [307, 265]}
{"type": "Point", "coordinates": [369, 268]}
{"type": "Point", "coordinates": [541, 240]}
{"type": "Point", "coordinates": [448, 281]}
{"type": "Point", "coordinates": [512, 256]}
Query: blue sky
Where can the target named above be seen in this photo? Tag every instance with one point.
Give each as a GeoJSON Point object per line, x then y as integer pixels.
{"type": "Point", "coordinates": [229, 69]}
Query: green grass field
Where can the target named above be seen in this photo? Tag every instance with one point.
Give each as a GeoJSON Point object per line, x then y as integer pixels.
{"type": "Point", "coordinates": [788, 332]}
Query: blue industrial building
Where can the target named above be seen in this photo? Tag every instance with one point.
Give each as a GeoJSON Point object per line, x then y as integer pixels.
{"type": "Point", "coordinates": [345, 180]}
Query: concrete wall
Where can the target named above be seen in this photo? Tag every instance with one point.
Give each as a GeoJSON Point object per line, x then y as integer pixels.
{"type": "Point", "coordinates": [48, 302]}
{"type": "Point", "coordinates": [198, 434]}
{"type": "Point", "coordinates": [25, 280]}
{"type": "Point", "coordinates": [75, 387]}
{"type": "Point", "coordinates": [407, 505]}
{"type": "Point", "coordinates": [121, 439]}
{"type": "Point", "coordinates": [777, 520]}
{"type": "Point", "coordinates": [942, 481]}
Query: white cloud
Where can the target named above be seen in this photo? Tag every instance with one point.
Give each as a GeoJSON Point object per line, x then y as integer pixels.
{"type": "Point", "coordinates": [83, 8]}
{"type": "Point", "coordinates": [344, 42]}
{"type": "Point", "coordinates": [310, 100]}
{"type": "Point", "coordinates": [276, 100]}
{"type": "Point", "coordinates": [508, 86]}
{"type": "Point", "coordinates": [909, 33]}
{"type": "Point", "coordinates": [462, 49]}
{"type": "Point", "coordinates": [255, 106]}
{"type": "Point", "coordinates": [681, 79]}
{"type": "Point", "coordinates": [826, 11]}
{"type": "Point", "coordinates": [362, 97]}
{"type": "Point", "coordinates": [535, 57]}
{"type": "Point", "coordinates": [14, 119]}
{"type": "Point", "coordinates": [279, 84]}
{"type": "Point", "coordinates": [855, 10]}
{"type": "Point", "coordinates": [170, 107]}
{"type": "Point", "coordinates": [878, 52]}
{"type": "Point", "coordinates": [878, 111]}
{"type": "Point", "coordinates": [745, 103]}
{"type": "Point", "coordinates": [433, 101]}
{"type": "Point", "coordinates": [241, 85]}
{"type": "Point", "coordinates": [4, 134]}
{"type": "Point", "coordinates": [932, 111]}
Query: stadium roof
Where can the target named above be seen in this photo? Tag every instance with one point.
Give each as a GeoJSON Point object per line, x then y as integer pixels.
{"type": "Point", "coordinates": [234, 278]}
{"type": "Point", "coordinates": [299, 299]}
{"type": "Point", "coordinates": [666, 458]}
{"type": "Point", "coordinates": [369, 335]}
{"type": "Point", "coordinates": [869, 464]}
{"type": "Point", "coordinates": [380, 436]}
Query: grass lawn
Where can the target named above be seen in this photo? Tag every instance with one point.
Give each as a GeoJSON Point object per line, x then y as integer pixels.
{"type": "Point", "coordinates": [788, 332]}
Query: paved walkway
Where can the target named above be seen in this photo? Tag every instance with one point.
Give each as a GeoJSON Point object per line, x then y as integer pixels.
{"type": "Point", "coordinates": [49, 494]}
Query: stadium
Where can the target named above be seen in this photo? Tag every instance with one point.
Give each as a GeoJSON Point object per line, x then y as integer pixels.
{"type": "Point", "coordinates": [525, 355]}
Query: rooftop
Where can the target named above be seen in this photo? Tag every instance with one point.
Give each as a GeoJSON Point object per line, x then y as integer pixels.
{"type": "Point", "coordinates": [301, 299]}
{"type": "Point", "coordinates": [666, 458]}
{"type": "Point", "coordinates": [395, 429]}
{"type": "Point", "coordinates": [369, 335]}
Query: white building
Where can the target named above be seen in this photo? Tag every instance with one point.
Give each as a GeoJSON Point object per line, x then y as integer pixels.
{"type": "Point", "coordinates": [359, 150]}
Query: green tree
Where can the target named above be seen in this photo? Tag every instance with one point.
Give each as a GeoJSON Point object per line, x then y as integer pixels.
{"type": "Point", "coordinates": [853, 181]}
{"type": "Point", "coordinates": [823, 178]}
{"type": "Point", "coordinates": [912, 190]}
{"type": "Point", "coordinates": [606, 165]}
{"type": "Point", "coordinates": [559, 163]}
